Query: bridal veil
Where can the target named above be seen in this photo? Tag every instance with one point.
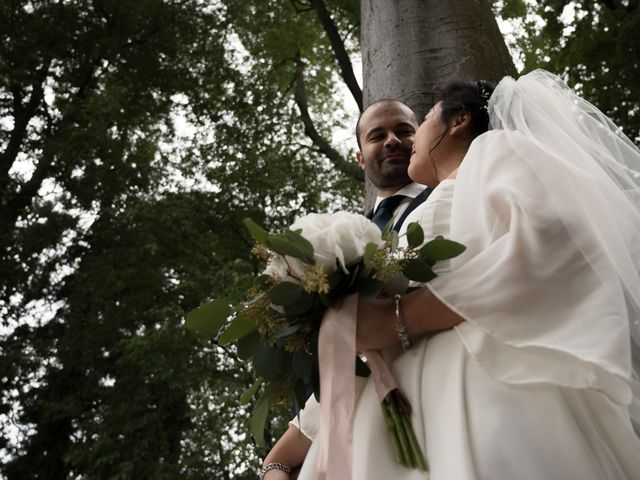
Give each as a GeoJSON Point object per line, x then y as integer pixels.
{"type": "Point", "coordinates": [548, 204]}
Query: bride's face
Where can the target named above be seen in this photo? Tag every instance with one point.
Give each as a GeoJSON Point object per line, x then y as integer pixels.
{"type": "Point", "coordinates": [423, 163]}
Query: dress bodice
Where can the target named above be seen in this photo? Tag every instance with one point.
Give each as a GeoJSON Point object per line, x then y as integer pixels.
{"type": "Point", "coordinates": [434, 216]}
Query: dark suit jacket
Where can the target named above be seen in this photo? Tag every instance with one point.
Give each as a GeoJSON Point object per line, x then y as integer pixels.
{"type": "Point", "coordinates": [418, 199]}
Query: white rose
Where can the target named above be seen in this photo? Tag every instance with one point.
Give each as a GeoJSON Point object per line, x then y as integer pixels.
{"type": "Point", "coordinates": [340, 236]}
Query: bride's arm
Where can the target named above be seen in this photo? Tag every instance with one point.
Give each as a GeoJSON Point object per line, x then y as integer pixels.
{"type": "Point", "coordinates": [290, 449]}
{"type": "Point", "coordinates": [421, 311]}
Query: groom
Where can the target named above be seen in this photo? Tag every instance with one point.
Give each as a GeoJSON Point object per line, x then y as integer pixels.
{"type": "Point", "coordinates": [385, 133]}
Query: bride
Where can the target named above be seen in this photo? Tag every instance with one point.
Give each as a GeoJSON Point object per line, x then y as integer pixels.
{"type": "Point", "coordinates": [521, 357]}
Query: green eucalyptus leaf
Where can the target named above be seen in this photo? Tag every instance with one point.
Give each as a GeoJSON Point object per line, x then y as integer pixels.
{"type": "Point", "coordinates": [264, 360]}
{"type": "Point", "coordinates": [259, 420]}
{"type": "Point", "coordinates": [237, 329]}
{"type": "Point", "coordinates": [387, 230]}
{"type": "Point", "coordinates": [250, 392]}
{"type": "Point", "coordinates": [370, 287]}
{"type": "Point", "coordinates": [325, 299]}
{"type": "Point", "coordinates": [263, 282]}
{"type": "Point", "coordinates": [282, 245]}
{"type": "Point", "coordinates": [283, 361]}
{"type": "Point", "coordinates": [301, 363]}
{"type": "Point", "coordinates": [418, 271]}
{"type": "Point", "coordinates": [287, 330]}
{"type": "Point", "coordinates": [303, 304]}
{"type": "Point", "coordinates": [394, 239]}
{"type": "Point", "coordinates": [295, 236]}
{"type": "Point", "coordinates": [441, 249]}
{"type": "Point", "coordinates": [369, 251]}
{"type": "Point", "coordinates": [415, 235]}
{"type": "Point", "coordinates": [208, 318]}
{"type": "Point", "coordinates": [258, 233]}
{"type": "Point", "coordinates": [247, 345]}
{"type": "Point", "coordinates": [301, 393]}
{"type": "Point", "coordinates": [285, 293]}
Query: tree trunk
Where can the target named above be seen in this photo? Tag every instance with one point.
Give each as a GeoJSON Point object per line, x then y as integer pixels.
{"type": "Point", "coordinates": [411, 46]}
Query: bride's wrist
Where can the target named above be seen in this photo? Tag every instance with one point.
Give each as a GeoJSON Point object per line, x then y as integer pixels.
{"type": "Point", "coordinates": [400, 325]}
{"type": "Point", "coordinates": [268, 467]}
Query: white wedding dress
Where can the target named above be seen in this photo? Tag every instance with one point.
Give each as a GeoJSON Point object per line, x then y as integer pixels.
{"type": "Point", "coordinates": [527, 388]}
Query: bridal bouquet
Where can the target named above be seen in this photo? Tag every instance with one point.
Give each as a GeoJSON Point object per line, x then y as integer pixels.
{"type": "Point", "coordinates": [319, 260]}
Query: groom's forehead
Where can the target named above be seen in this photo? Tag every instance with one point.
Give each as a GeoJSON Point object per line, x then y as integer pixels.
{"type": "Point", "coordinates": [388, 111]}
{"type": "Point", "coordinates": [383, 111]}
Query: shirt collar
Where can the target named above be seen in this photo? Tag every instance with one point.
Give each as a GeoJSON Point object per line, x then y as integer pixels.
{"type": "Point", "coordinates": [410, 191]}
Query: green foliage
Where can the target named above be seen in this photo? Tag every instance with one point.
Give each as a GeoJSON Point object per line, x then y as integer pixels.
{"type": "Point", "coordinates": [258, 233]}
{"type": "Point", "coordinates": [239, 328]}
{"type": "Point", "coordinates": [285, 293]}
{"type": "Point", "coordinates": [114, 222]}
{"type": "Point", "coordinates": [513, 9]}
{"type": "Point", "coordinates": [441, 249]}
{"type": "Point", "coordinates": [415, 235]}
{"type": "Point", "coordinates": [259, 420]}
{"type": "Point", "coordinates": [208, 318]}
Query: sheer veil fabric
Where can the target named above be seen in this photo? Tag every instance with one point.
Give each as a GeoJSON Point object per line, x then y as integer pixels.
{"type": "Point", "coordinates": [548, 204]}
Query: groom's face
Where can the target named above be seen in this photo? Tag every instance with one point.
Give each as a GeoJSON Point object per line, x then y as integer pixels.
{"type": "Point", "coordinates": [386, 132]}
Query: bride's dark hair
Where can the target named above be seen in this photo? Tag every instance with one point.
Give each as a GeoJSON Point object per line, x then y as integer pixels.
{"type": "Point", "coordinates": [465, 96]}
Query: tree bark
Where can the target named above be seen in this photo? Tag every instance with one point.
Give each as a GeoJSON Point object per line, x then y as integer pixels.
{"type": "Point", "coordinates": [411, 46]}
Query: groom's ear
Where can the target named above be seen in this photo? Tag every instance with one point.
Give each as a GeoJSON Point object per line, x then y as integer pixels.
{"type": "Point", "coordinates": [460, 123]}
{"type": "Point", "coordinates": [360, 160]}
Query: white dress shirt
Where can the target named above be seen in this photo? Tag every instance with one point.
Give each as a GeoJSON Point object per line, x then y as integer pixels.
{"type": "Point", "coordinates": [410, 191]}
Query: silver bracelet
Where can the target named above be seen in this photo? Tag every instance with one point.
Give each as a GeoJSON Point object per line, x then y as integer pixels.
{"type": "Point", "coordinates": [274, 466]}
{"type": "Point", "coordinates": [401, 328]}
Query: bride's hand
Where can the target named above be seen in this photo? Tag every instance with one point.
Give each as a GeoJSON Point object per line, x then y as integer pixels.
{"type": "Point", "coordinates": [420, 311]}
{"type": "Point", "coordinates": [376, 324]}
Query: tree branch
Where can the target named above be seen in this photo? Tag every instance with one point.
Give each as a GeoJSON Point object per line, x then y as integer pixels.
{"type": "Point", "coordinates": [300, 6]}
{"type": "Point", "coordinates": [300, 97]}
{"type": "Point", "coordinates": [22, 115]}
{"type": "Point", "coordinates": [612, 4]}
{"type": "Point", "coordinates": [346, 69]}
{"type": "Point", "coordinates": [18, 202]}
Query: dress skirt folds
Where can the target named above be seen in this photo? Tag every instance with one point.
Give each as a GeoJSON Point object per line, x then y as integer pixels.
{"type": "Point", "coordinates": [532, 385]}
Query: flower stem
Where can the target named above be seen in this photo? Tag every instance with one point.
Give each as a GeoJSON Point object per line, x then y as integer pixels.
{"type": "Point", "coordinates": [392, 432]}
{"type": "Point", "coordinates": [418, 456]}
{"type": "Point", "coordinates": [401, 435]}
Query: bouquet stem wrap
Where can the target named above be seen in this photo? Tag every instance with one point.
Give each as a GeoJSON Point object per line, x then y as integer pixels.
{"type": "Point", "coordinates": [383, 378]}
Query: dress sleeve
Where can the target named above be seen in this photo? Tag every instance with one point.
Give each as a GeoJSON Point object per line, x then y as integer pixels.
{"type": "Point", "coordinates": [307, 420]}
{"type": "Point", "coordinates": [541, 302]}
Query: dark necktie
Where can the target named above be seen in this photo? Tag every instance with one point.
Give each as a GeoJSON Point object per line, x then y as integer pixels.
{"type": "Point", "coordinates": [385, 210]}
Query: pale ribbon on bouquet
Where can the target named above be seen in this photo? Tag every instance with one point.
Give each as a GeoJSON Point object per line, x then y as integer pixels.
{"type": "Point", "coordinates": [336, 357]}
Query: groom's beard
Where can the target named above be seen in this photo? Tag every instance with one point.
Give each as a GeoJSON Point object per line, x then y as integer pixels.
{"type": "Point", "coordinates": [392, 165]}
